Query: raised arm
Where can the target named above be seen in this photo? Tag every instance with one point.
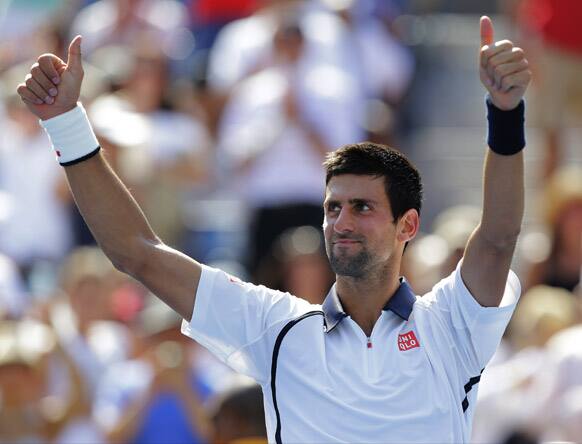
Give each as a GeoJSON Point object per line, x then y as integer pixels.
{"type": "Point", "coordinates": [115, 219]}
{"type": "Point", "coordinates": [505, 74]}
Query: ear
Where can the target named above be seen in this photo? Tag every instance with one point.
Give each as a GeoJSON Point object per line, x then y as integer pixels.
{"type": "Point", "coordinates": [408, 226]}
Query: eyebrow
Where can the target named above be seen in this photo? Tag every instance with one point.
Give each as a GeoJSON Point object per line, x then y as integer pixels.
{"type": "Point", "coordinates": [353, 201]}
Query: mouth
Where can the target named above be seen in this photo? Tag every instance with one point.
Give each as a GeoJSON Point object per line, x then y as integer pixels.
{"type": "Point", "coordinates": [345, 242]}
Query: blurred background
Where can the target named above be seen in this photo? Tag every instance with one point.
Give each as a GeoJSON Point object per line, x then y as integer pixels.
{"type": "Point", "coordinates": [217, 114]}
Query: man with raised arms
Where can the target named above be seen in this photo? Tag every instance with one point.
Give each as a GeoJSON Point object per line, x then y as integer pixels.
{"type": "Point", "coordinates": [374, 362]}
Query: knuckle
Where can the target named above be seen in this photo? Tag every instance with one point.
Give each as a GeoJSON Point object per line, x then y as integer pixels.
{"type": "Point", "coordinates": [518, 51]}
{"type": "Point", "coordinates": [35, 70]}
{"type": "Point", "coordinates": [43, 58]}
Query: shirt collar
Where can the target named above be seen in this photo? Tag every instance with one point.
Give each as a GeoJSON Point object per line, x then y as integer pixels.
{"type": "Point", "coordinates": [400, 303]}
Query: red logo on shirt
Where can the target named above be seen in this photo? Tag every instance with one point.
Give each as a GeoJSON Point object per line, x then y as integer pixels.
{"type": "Point", "coordinates": [234, 279]}
{"type": "Point", "coordinates": [406, 341]}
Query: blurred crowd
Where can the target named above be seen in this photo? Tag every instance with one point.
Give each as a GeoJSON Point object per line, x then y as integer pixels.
{"type": "Point", "coordinates": [217, 115]}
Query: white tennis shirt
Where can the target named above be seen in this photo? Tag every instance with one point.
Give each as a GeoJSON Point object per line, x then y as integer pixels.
{"type": "Point", "coordinates": [413, 380]}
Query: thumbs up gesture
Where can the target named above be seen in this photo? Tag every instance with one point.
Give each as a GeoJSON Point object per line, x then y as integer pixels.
{"type": "Point", "coordinates": [53, 86]}
{"type": "Point", "coordinates": [503, 68]}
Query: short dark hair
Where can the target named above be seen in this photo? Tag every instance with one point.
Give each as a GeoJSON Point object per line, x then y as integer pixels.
{"type": "Point", "coordinates": [401, 179]}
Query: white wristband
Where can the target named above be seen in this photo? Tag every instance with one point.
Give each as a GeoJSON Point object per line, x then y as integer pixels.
{"type": "Point", "coordinates": [71, 136]}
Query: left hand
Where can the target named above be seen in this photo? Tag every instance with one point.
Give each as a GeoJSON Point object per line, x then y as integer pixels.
{"type": "Point", "coordinates": [503, 68]}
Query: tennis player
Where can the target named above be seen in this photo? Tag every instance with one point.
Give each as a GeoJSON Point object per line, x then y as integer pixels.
{"type": "Point", "coordinates": [375, 362]}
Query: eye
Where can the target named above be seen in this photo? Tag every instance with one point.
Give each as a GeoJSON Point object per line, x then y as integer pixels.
{"type": "Point", "coordinates": [362, 207]}
{"type": "Point", "coordinates": [333, 207]}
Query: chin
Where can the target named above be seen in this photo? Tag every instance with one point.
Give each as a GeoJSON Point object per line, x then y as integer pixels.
{"type": "Point", "coordinates": [354, 266]}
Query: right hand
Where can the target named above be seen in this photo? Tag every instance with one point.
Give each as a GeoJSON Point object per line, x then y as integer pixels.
{"type": "Point", "coordinates": [52, 73]}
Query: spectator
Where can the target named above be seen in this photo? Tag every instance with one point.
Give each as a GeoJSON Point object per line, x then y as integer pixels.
{"type": "Point", "coordinates": [556, 388]}
{"type": "Point", "coordinates": [165, 151]}
{"type": "Point", "coordinates": [156, 397]}
{"type": "Point", "coordinates": [383, 80]}
{"type": "Point", "coordinates": [123, 22]}
{"type": "Point", "coordinates": [84, 318]}
{"type": "Point", "coordinates": [552, 29]}
{"type": "Point", "coordinates": [31, 411]}
{"type": "Point", "coordinates": [508, 400]}
{"type": "Point", "coordinates": [275, 132]}
{"type": "Point", "coordinates": [246, 46]}
{"type": "Point", "coordinates": [562, 211]}
{"type": "Point", "coordinates": [209, 16]}
{"type": "Point", "coordinates": [34, 206]}
{"type": "Point", "coordinates": [238, 416]}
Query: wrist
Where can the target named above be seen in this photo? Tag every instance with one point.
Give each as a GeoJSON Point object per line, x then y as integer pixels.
{"type": "Point", "coordinates": [506, 128]}
{"type": "Point", "coordinates": [71, 136]}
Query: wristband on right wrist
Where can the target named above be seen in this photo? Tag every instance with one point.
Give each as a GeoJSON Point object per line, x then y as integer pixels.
{"type": "Point", "coordinates": [506, 129]}
{"type": "Point", "coordinates": [71, 136]}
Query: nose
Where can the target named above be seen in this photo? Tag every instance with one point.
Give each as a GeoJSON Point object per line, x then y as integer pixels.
{"type": "Point", "coordinates": [344, 223]}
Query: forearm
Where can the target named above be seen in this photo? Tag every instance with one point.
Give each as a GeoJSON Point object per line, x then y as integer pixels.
{"type": "Point", "coordinates": [197, 416]}
{"type": "Point", "coordinates": [503, 199]}
{"type": "Point", "coordinates": [115, 219]}
{"type": "Point", "coordinates": [112, 214]}
{"type": "Point", "coordinates": [128, 425]}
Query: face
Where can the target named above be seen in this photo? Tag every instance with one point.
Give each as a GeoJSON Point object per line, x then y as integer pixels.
{"type": "Point", "coordinates": [361, 235]}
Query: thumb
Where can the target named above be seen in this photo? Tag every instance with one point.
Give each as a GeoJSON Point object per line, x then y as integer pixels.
{"type": "Point", "coordinates": [74, 62]}
{"type": "Point", "coordinates": [486, 26]}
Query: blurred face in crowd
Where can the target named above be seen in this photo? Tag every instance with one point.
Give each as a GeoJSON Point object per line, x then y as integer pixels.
{"type": "Point", "coordinates": [88, 300]}
{"type": "Point", "coordinates": [126, 8]}
{"type": "Point", "coordinates": [148, 81]}
{"type": "Point", "coordinates": [20, 384]}
{"type": "Point", "coordinates": [359, 228]}
{"type": "Point", "coordinates": [289, 43]}
{"type": "Point", "coordinates": [570, 224]}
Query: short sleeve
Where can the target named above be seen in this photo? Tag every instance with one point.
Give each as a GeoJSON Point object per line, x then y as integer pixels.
{"type": "Point", "coordinates": [474, 330]}
{"type": "Point", "coordinates": [238, 321]}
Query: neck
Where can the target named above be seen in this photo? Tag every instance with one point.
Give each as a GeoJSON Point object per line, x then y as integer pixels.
{"type": "Point", "coordinates": [364, 298]}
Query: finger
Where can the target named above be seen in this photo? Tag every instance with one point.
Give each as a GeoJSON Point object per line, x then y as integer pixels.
{"type": "Point", "coordinates": [505, 69]}
{"type": "Point", "coordinates": [74, 61]}
{"type": "Point", "coordinates": [27, 95]}
{"type": "Point", "coordinates": [519, 79]}
{"type": "Point", "coordinates": [42, 79]}
{"type": "Point", "coordinates": [486, 28]}
{"type": "Point", "coordinates": [497, 49]}
{"type": "Point", "coordinates": [515, 55]}
{"type": "Point", "coordinates": [50, 65]}
{"type": "Point", "coordinates": [492, 50]}
{"type": "Point", "coordinates": [37, 89]}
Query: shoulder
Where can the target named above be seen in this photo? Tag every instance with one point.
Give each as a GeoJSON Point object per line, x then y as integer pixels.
{"type": "Point", "coordinates": [283, 305]}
